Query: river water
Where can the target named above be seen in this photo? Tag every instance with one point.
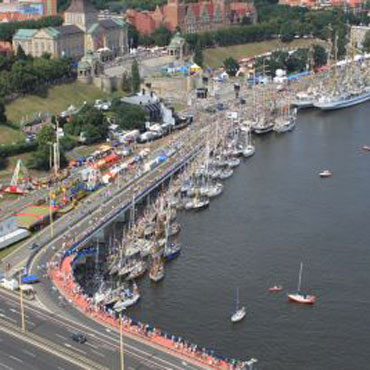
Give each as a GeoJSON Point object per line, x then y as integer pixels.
{"type": "Point", "coordinates": [274, 213]}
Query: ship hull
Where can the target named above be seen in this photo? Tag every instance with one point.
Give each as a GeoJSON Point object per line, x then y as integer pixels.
{"type": "Point", "coordinates": [343, 104]}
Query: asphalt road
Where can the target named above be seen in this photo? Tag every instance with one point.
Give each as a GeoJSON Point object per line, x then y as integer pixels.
{"type": "Point", "coordinates": [18, 354]}
{"type": "Point", "coordinates": [102, 344]}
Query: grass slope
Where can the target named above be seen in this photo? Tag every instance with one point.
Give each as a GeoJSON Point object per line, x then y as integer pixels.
{"type": "Point", "coordinates": [215, 57]}
{"type": "Point", "coordinates": [59, 98]}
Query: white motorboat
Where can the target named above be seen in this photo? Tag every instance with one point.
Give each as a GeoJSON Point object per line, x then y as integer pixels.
{"type": "Point", "coordinates": [325, 173]}
{"type": "Point", "coordinates": [249, 151]}
{"type": "Point", "coordinates": [128, 298]}
{"type": "Point", "coordinates": [197, 204]}
{"type": "Point", "coordinates": [233, 162]}
{"type": "Point", "coordinates": [226, 173]}
{"type": "Point", "coordinates": [214, 190]}
{"type": "Point", "coordinates": [304, 100]}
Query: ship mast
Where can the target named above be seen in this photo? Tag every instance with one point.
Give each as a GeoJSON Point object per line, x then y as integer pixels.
{"type": "Point", "coordinates": [300, 278]}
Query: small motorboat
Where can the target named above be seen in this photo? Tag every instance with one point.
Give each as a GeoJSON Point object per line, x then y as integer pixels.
{"type": "Point", "coordinates": [233, 162]}
{"type": "Point", "coordinates": [249, 151]}
{"type": "Point", "coordinates": [225, 174]}
{"type": "Point", "coordinates": [366, 148]}
{"type": "Point", "coordinates": [171, 251]}
{"type": "Point", "coordinates": [275, 289]}
{"type": "Point", "coordinates": [156, 273]}
{"type": "Point", "coordinates": [325, 173]}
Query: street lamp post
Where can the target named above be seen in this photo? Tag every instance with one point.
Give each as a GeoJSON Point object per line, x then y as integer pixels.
{"type": "Point", "coordinates": [21, 302]}
{"type": "Point", "coordinates": [122, 357]}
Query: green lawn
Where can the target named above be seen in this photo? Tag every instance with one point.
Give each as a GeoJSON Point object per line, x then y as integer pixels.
{"type": "Point", "coordinates": [59, 99]}
{"type": "Point", "coordinates": [214, 57]}
{"type": "Point", "coordinates": [9, 135]}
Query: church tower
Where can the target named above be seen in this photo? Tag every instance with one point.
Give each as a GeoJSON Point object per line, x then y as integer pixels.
{"type": "Point", "coordinates": [227, 11]}
{"type": "Point", "coordinates": [81, 14]}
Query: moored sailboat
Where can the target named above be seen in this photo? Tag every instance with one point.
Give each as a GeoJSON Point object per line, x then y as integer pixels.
{"type": "Point", "coordinates": [299, 296]}
{"type": "Point", "coordinates": [239, 312]}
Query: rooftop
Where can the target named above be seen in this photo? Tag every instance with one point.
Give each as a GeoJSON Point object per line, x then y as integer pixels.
{"type": "Point", "coordinates": [81, 6]}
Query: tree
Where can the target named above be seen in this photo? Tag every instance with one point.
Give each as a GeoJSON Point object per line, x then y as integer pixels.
{"type": "Point", "coordinates": [133, 36]}
{"type": "Point", "coordinates": [91, 122]}
{"type": "Point", "coordinates": [246, 21]}
{"type": "Point", "coordinates": [135, 76]}
{"type": "Point", "coordinates": [162, 36]}
{"type": "Point", "coordinates": [198, 55]}
{"type": "Point", "coordinates": [128, 116]}
{"type": "Point", "coordinates": [297, 61]}
{"type": "Point", "coordinates": [126, 84]}
{"type": "Point", "coordinates": [41, 158]}
{"type": "Point", "coordinates": [20, 53]}
{"type": "Point", "coordinates": [3, 118]}
{"type": "Point", "coordinates": [231, 66]}
{"type": "Point", "coordinates": [366, 42]}
{"type": "Point", "coordinates": [320, 56]}
{"type": "Point", "coordinates": [286, 32]}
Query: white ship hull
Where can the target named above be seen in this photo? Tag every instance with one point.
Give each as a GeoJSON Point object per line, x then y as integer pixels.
{"type": "Point", "coordinates": [343, 103]}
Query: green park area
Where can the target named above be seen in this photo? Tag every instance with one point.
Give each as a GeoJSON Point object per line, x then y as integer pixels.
{"type": "Point", "coordinates": [214, 57]}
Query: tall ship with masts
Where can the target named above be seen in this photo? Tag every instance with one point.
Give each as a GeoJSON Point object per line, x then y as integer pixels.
{"type": "Point", "coordinates": [353, 90]}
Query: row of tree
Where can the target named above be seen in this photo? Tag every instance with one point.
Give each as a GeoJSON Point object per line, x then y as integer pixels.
{"type": "Point", "coordinates": [7, 30]}
{"type": "Point", "coordinates": [21, 74]}
{"type": "Point", "coordinates": [301, 60]}
{"type": "Point", "coordinates": [286, 23]}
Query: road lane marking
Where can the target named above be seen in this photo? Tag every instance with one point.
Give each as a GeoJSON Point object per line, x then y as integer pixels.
{"type": "Point", "coordinates": [28, 353]}
{"type": "Point", "coordinates": [60, 336]}
{"type": "Point", "coordinates": [6, 366]}
{"type": "Point", "coordinates": [15, 358]}
{"type": "Point", "coordinates": [75, 349]}
{"type": "Point", "coordinates": [8, 318]}
{"type": "Point", "coordinates": [97, 353]}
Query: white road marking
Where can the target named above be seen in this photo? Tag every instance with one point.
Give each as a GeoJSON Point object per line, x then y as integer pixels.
{"type": "Point", "coordinates": [29, 353]}
{"type": "Point", "coordinates": [6, 367]}
{"type": "Point", "coordinates": [74, 348]}
{"type": "Point", "coordinates": [8, 318]}
{"type": "Point", "coordinates": [97, 353]}
{"type": "Point", "coordinates": [13, 310]}
{"type": "Point", "coordinates": [60, 336]}
{"type": "Point", "coordinates": [15, 358]}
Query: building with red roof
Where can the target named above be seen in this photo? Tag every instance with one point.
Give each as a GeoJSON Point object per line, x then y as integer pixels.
{"type": "Point", "coordinates": [192, 17]}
